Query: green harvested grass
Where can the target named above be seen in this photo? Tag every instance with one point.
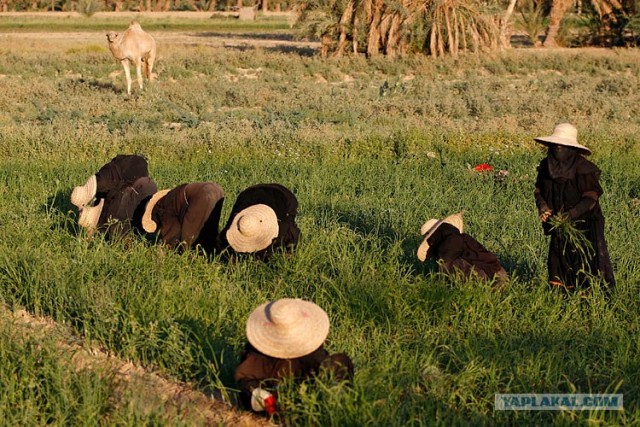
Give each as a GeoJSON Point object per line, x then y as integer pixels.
{"type": "Point", "coordinates": [369, 163]}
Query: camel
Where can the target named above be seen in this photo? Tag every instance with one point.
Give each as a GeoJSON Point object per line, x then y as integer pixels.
{"type": "Point", "coordinates": [134, 45]}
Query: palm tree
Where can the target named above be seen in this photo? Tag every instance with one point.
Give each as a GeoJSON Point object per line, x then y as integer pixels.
{"type": "Point", "coordinates": [395, 27]}
{"type": "Point", "coordinates": [608, 11]}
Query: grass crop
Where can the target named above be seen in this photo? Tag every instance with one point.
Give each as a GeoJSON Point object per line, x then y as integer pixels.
{"type": "Point", "coordinates": [369, 162]}
{"type": "Point", "coordinates": [42, 385]}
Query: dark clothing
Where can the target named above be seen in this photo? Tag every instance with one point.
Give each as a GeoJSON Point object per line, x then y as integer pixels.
{"type": "Point", "coordinates": [461, 252]}
{"type": "Point", "coordinates": [259, 370]}
{"type": "Point", "coordinates": [123, 183]}
{"type": "Point", "coordinates": [190, 214]}
{"type": "Point", "coordinates": [284, 204]}
{"type": "Point", "coordinates": [122, 206]}
{"type": "Point", "coordinates": [575, 194]}
{"type": "Point", "coordinates": [122, 169]}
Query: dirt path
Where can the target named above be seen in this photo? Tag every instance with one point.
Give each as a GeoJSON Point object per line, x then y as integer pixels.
{"type": "Point", "coordinates": [202, 38]}
{"type": "Point", "coordinates": [178, 399]}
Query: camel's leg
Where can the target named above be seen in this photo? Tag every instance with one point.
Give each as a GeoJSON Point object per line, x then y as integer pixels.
{"type": "Point", "coordinates": [139, 71]}
{"type": "Point", "coordinates": [149, 60]}
{"type": "Point", "coordinates": [127, 74]}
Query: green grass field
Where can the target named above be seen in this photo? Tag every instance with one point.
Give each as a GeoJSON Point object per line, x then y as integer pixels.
{"type": "Point", "coordinates": [171, 23]}
{"type": "Point", "coordinates": [372, 149]}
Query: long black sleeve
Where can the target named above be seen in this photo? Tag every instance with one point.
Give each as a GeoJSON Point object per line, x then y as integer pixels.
{"type": "Point", "coordinates": [582, 207]}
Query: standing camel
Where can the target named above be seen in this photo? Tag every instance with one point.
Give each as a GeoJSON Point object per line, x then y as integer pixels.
{"type": "Point", "coordinates": [134, 45]}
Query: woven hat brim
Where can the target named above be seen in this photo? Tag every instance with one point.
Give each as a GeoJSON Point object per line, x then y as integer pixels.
{"type": "Point", "coordinates": [456, 221]}
{"type": "Point", "coordinates": [427, 231]}
{"type": "Point", "coordinates": [90, 215]}
{"type": "Point", "coordinates": [268, 231]}
{"type": "Point", "coordinates": [558, 140]}
{"type": "Point", "coordinates": [302, 338]}
{"type": "Point", "coordinates": [148, 224]}
{"type": "Point", "coordinates": [423, 249]}
{"type": "Point", "coordinates": [83, 194]}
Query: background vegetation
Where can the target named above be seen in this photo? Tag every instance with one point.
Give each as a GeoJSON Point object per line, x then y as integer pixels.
{"type": "Point", "coordinates": [372, 148]}
{"type": "Point", "coordinates": [397, 28]}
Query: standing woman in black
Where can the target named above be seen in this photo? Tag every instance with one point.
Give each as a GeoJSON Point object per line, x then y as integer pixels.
{"type": "Point", "coordinates": [568, 185]}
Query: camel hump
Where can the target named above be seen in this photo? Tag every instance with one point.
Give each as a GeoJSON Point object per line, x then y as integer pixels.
{"type": "Point", "coordinates": [134, 24]}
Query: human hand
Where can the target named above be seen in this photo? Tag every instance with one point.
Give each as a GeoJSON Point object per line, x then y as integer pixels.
{"type": "Point", "coordinates": [545, 215]}
{"type": "Point", "coordinates": [262, 400]}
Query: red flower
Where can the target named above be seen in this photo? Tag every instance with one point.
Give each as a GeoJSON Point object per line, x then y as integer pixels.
{"type": "Point", "coordinates": [483, 167]}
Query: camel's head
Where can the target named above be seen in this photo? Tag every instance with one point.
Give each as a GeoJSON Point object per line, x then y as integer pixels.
{"type": "Point", "coordinates": [112, 36]}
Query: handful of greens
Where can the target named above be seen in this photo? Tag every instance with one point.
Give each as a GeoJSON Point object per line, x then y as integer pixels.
{"type": "Point", "coordinates": [572, 235]}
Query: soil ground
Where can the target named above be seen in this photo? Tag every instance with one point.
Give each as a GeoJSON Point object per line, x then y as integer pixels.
{"type": "Point", "coordinates": [212, 39]}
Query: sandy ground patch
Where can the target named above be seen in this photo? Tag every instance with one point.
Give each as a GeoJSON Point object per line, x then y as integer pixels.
{"type": "Point", "coordinates": [212, 39]}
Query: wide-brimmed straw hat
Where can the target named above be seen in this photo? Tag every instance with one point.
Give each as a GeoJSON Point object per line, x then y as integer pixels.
{"type": "Point", "coordinates": [564, 134]}
{"type": "Point", "coordinates": [253, 229]}
{"type": "Point", "coordinates": [431, 226]}
{"type": "Point", "coordinates": [287, 328]}
{"type": "Point", "coordinates": [90, 215]}
{"type": "Point", "coordinates": [82, 194]}
{"type": "Point", "coordinates": [148, 224]}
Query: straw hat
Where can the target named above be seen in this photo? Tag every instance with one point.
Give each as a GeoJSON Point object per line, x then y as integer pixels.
{"type": "Point", "coordinates": [83, 194]}
{"type": "Point", "coordinates": [564, 134]}
{"type": "Point", "coordinates": [90, 215]}
{"type": "Point", "coordinates": [148, 224]}
{"type": "Point", "coordinates": [287, 328]}
{"type": "Point", "coordinates": [253, 229]}
{"type": "Point", "coordinates": [431, 226]}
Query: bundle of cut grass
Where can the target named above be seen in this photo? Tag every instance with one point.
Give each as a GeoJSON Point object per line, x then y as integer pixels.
{"type": "Point", "coordinates": [574, 237]}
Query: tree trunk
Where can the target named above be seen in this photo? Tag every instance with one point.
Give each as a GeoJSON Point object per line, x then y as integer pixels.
{"type": "Point", "coordinates": [4, 6]}
{"type": "Point", "coordinates": [558, 11]}
{"type": "Point", "coordinates": [373, 39]}
{"type": "Point", "coordinates": [505, 34]}
{"type": "Point", "coordinates": [347, 15]}
{"type": "Point", "coordinates": [265, 6]}
{"type": "Point", "coordinates": [325, 45]}
{"type": "Point", "coordinates": [608, 17]}
{"type": "Point", "coordinates": [393, 40]}
{"type": "Point", "coordinates": [356, 22]}
{"type": "Point", "coordinates": [239, 4]}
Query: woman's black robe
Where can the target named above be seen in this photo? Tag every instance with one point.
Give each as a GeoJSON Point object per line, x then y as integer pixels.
{"type": "Point", "coordinates": [124, 184]}
{"type": "Point", "coordinates": [574, 194]}
{"type": "Point", "coordinates": [460, 252]}
{"type": "Point", "coordinates": [256, 369]}
{"type": "Point", "coordinates": [284, 204]}
{"type": "Point", "coordinates": [189, 215]}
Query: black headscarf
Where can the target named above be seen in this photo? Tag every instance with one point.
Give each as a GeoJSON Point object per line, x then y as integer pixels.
{"type": "Point", "coordinates": [561, 160]}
